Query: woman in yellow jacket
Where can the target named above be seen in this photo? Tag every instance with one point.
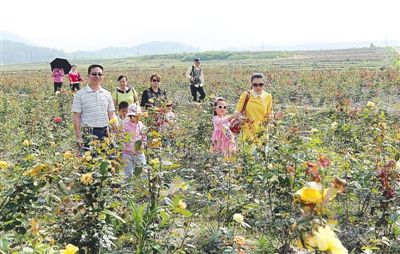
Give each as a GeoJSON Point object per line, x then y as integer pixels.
{"type": "Point", "coordinates": [258, 110]}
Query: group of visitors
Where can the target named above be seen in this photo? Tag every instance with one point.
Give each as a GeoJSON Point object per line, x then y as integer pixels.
{"type": "Point", "coordinates": [93, 109]}
{"type": "Point", "coordinates": [74, 77]}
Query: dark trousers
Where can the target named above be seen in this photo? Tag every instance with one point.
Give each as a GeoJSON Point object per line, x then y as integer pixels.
{"type": "Point", "coordinates": [194, 90]}
{"type": "Point", "coordinates": [57, 86]}
{"type": "Point", "coordinates": [90, 134]}
{"type": "Point", "coordinates": [75, 87]}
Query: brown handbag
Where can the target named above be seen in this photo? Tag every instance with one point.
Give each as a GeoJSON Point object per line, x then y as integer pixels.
{"type": "Point", "coordinates": [236, 123]}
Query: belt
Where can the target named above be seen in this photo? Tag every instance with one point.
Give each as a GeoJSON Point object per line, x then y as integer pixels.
{"type": "Point", "coordinates": [95, 128]}
{"type": "Point", "coordinates": [99, 128]}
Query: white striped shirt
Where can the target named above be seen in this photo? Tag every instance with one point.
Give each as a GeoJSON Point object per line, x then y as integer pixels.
{"type": "Point", "coordinates": [93, 106]}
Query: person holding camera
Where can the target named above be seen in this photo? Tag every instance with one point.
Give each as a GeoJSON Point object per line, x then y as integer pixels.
{"type": "Point", "coordinates": [196, 77]}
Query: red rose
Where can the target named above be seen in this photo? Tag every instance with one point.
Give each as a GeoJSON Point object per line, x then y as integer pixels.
{"type": "Point", "coordinates": [57, 119]}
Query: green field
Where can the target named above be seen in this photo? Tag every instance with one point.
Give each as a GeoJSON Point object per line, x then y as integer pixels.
{"type": "Point", "coordinates": [342, 105]}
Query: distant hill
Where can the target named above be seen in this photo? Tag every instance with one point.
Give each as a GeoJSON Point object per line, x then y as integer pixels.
{"type": "Point", "coordinates": [17, 50]}
{"type": "Point", "coordinates": [17, 53]}
{"type": "Point", "coordinates": [8, 36]}
{"type": "Point", "coordinates": [150, 48]}
{"type": "Point", "coordinates": [318, 46]}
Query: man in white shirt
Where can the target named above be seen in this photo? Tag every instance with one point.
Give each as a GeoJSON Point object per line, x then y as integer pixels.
{"type": "Point", "coordinates": [196, 77]}
{"type": "Point", "coordinates": [92, 107]}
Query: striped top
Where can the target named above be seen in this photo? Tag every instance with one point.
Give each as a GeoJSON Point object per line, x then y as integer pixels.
{"type": "Point", "coordinates": [93, 106]}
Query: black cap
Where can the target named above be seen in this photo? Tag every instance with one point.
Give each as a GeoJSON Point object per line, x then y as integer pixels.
{"type": "Point", "coordinates": [197, 59]}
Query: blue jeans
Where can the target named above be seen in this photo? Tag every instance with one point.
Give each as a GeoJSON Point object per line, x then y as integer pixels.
{"type": "Point", "coordinates": [90, 134]}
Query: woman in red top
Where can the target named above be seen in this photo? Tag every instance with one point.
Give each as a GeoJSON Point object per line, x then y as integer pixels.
{"type": "Point", "coordinates": [74, 79]}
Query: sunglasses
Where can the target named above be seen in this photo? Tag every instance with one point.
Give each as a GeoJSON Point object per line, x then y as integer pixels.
{"type": "Point", "coordinates": [258, 85]}
{"type": "Point", "coordinates": [224, 107]}
{"type": "Point", "coordinates": [132, 116]}
{"type": "Point", "coordinates": [96, 74]}
{"type": "Point", "coordinates": [155, 80]}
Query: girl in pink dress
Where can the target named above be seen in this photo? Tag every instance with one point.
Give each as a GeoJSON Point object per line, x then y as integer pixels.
{"type": "Point", "coordinates": [223, 140]}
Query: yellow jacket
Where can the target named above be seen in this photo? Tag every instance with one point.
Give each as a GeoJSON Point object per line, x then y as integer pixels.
{"type": "Point", "coordinates": [258, 110]}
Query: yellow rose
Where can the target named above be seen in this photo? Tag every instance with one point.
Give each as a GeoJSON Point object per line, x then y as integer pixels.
{"type": "Point", "coordinates": [181, 204]}
{"type": "Point", "coordinates": [3, 164]}
{"type": "Point", "coordinates": [239, 240]}
{"type": "Point", "coordinates": [238, 218]}
{"type": "Point", "coordinates": [68, 155]}
{"type": "Point", "coordinates": [371, 104]}
{"type": "Point", "coordinates": [69, 249]}
{"type": "Point", "coordinates": [311, 193]}
{"type": "Point", "coordinates": [35, 170]}
{"type": "Point", "coordinates": [34, 226]}
{"type": "Point", "coordinates": [155, 143]}
{"type": "Point", "coordinates": [87, 178]}
{"type": "Point", "coordinates": [88, 156]}
{"type": "Point", "coordinates": [154, 162]}
{"type": "Point", "coordinates": [334, 125]}
{"type": "Point", "coordinates": [113, 121]}
{"type": "Point", "coordinates": [183, 186]}
{"type": "Point", "coordinates": [324, 239]}
{"type": "Point", "coordinates": [27, 142]}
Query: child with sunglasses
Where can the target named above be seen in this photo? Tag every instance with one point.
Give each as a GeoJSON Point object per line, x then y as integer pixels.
{"type": "Point", "coordinates": [223, 140]}
{"type": "Point", "coordinates": [136, 130]}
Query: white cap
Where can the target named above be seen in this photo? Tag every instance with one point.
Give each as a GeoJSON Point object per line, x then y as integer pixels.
{"type": "Point", "coordinates": [134, 110]}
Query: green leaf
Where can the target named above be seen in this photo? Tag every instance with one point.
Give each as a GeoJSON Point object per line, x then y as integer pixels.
{"type": "Point", "coordinates": [165, 218]}
{"type": "Point", "coordinates": [138, 144]}
{"type": "Point", "coordinates": [396, 230]}
{"type": "Point", "coordinates": [115, 204]}
{"type": "Point", "coordinates": [138, 171]}
{"type": "Point", "coordinates": [4, 244]}
{"type": "Point", "coordinates": [116, 216]}
{"type": "Point", "coordinates": [27, 250]}
{"type": "Point", "coordinates": [183, 212]}
{"type": "Point", "coordinates": [127, 137]}
{"type": "Point", "coordinates": [104, 167]}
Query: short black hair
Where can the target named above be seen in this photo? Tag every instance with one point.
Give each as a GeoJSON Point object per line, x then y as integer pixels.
{"type": "Point", "coordinates": [257, 75]}
{"type": "Point", "coordinates": [123, 104]}
{"type": "Point", "coordinates": [197, 59]}
{"type": "Point", "coordinates": [94, 66]}
{"type": "Point", "coordinates": [121, 77]}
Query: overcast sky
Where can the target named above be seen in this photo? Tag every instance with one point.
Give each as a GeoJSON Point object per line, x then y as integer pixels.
{"type": "Point", "coordinates": [206, 24]}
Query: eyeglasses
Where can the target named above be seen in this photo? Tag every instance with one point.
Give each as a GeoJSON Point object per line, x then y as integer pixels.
{"type": "Point", "coordinates": [155, 80]}
{"type": "Point", "coordinates": [96, 74]}
{"type": "Point", "coordinates": [219, 106]}
{"type": "Point", "coordinates": [258, 85]}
